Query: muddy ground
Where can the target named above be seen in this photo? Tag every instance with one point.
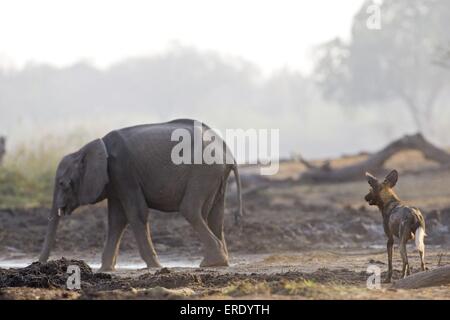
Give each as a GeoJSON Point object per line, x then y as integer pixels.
{"type": "Point", "coordinates": [307, 241]}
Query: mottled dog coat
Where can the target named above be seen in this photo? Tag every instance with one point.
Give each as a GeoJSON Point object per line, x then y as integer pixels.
{"type": "Point", "coordinates": [399, 220]}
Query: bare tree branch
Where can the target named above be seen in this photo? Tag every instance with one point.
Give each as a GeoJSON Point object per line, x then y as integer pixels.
{"type": "Point", "coordinates": [432, 278]}
{"type": "Point", "coordinates": [376, 161]}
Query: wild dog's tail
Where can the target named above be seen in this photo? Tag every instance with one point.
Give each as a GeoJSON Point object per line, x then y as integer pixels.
{"type": "Point", "coordinates": [419, 236]}
{"type": "Point", "coordinates": [238, 214]}
{"type": "Point", "coordinates": [420, 231]}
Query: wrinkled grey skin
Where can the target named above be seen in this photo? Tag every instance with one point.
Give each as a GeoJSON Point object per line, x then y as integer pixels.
{"type": "Point", "coordinates": [398, 220]}
{"type": "Point", "coordinates": [133, 170]}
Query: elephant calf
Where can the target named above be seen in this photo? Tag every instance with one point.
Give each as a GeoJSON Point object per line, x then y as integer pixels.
{"type": "Point", "coordinates": [132, 168]}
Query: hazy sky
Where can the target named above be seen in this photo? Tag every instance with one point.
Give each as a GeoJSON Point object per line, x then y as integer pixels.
{"type": "Point", "coordinates": [272, 34]}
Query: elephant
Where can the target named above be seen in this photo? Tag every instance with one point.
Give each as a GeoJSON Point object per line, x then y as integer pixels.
{"type": "Point", "coordinates": [133, 170]}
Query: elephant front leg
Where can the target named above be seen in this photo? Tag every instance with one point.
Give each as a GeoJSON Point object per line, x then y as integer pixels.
{"type": "Point", "coordinates": [136, 211]}
{"type": "Point", "coordinates": [145, 244]}
{"type": "Point", "coordinates": [117, 222]}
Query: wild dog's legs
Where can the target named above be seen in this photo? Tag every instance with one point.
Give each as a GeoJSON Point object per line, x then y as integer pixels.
{"type": "Point", "coordinates": [390, 245]}
{"type": "Point", "coordinates": [422, 260]}
{"type": "Point", "coordinates": [404, 234]}
{"type": "Point", "coordinates": [405, 268]}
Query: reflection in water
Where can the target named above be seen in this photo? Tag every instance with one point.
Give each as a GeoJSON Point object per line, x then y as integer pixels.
{"type": "Point", "coordinates": [169, 262]}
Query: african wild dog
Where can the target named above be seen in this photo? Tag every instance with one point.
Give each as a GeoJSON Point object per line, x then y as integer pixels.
{"type": "Point", "coordinates": [398, 220]}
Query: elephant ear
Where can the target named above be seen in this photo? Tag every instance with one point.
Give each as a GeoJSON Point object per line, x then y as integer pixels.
{"type": "Point", "coordinates": [94, 171]}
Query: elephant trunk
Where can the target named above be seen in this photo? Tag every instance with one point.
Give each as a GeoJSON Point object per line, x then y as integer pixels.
{"type": "Point", "coordinates": [50, 235]}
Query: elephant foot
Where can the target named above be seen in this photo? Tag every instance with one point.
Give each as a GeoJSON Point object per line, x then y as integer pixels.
{"type": "Point", "coordinates": [153, 264]}
{"type": "Point", "coordinates": [106, 269]}
{"type": "Point", "coordinates": [216, 261]}
{"type": "Point", "coordinates": [156, 266]}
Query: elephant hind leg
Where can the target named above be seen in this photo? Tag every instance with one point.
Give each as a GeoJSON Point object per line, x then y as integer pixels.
{"type": "Point", "coordinates": [216, 219]}
{"type": "Point", "coordinates": [117, 223]}
{"type": "Point", "coordinates": [215, 254]}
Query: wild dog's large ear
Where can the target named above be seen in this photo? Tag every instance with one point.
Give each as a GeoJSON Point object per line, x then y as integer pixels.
{"type": "Point", "coordinates": [372, 180]}
{"type": "Point", "coordinates": [391, 178]}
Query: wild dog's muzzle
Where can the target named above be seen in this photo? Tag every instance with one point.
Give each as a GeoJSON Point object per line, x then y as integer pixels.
{"type": "Point", "coordinates": [370, 198]}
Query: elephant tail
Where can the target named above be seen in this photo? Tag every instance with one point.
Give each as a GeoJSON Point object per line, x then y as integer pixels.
{"type": "Point", "coordinates": [239, 213]}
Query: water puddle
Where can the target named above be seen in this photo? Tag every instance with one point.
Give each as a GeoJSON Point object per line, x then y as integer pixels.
{"type": "Point", "coordinates": [168, 262]}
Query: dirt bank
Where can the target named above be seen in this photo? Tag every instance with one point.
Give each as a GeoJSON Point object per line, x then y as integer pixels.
{"type": "Point", "coordinates": [277, 219]}
{"type": "Point", "coordinates": [308, 275]}
{"type": "Point", "coordinates": [286, 246]}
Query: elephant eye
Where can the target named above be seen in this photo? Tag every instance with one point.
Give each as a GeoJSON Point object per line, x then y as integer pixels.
{"type": "Point", "coordinates": [65, 185]}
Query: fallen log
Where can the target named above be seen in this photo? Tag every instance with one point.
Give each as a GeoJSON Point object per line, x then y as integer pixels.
{"type": "Point", "coordinates": [374, 163]}
{"type": "Point", "coordinates": [431, 278]}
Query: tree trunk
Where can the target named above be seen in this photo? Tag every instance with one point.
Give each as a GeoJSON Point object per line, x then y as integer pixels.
{"type": "Point", "coordinates": [375, 161]}
{"type": "Point", "coordinates": [432, 278]}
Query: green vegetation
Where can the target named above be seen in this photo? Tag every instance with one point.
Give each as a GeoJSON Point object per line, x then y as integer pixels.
{"type": "Point", "coordinates": [247, 288]}
{"type": "Point", "coordinates": [299, 287]}
{"type": "Point", "coordinates": [19, 190]}
{"type": "Point", "coordinates": [27, 174]}
{"type": "Point", "coordinates": [304, 288]}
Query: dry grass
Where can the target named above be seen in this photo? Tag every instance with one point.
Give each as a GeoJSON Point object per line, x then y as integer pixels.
{"type": "Point", "coordinates": [26, 177]}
